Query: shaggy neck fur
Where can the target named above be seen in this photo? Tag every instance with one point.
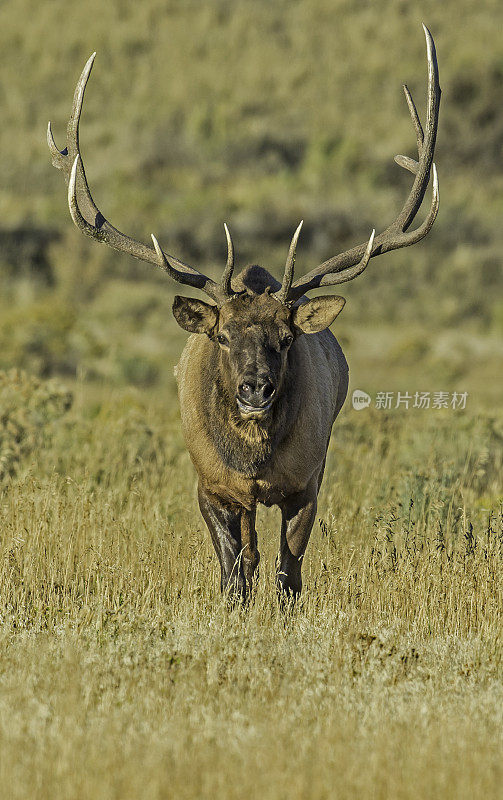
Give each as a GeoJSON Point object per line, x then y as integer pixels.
{"type": "Point", "coordinates": [246, 445]}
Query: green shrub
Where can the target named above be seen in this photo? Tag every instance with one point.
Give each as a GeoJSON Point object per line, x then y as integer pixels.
{"type": "Point", "coordinates": [28, 407]}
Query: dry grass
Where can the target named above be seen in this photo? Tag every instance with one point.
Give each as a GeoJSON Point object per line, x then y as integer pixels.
{"type": "Point", "coordinates": [124, 675]}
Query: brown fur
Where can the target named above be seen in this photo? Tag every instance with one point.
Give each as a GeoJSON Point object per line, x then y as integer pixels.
{"type": "Point", "coordinates": [249, 462]}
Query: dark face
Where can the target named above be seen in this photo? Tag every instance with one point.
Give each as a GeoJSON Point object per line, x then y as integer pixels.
{"type": "Point", "coordinates": [254, 333]}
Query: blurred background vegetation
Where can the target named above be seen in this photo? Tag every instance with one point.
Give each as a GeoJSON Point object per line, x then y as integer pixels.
{"type": "Point", "coordinates": [259, 114]}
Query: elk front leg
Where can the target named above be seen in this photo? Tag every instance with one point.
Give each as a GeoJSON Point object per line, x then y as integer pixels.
{"type": "Point", "coordinates": [298, 515]}
{"type": "Point", "coordinates": [251, 555]}
{"type": "Point", "coordinates": [226, 524]}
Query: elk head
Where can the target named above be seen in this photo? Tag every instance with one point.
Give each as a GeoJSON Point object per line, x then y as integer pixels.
{"type": "Point", "coordinates": [255, 331]}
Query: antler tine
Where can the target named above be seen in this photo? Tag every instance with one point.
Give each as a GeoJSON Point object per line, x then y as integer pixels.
{"type": "Point", "coordinates": [426, 141]}
{"type": "Point", "coordinates": [282, 294]}
{"type": "Point", "coordinates": [348, 274]}
{"type": "Point", "coordinates": [415, 118]}
{"type": "Point", "coordinates": [64, 159]}
{"type": "Point", "coordinates": [69, 161]}
{"type": "Point", "coordinates": [72, 131]}
{"type": "Point", "coordinates": [196, 280]}
{"type": "Point", "coordinates": [225, 283]}
{"type": "Point", "coordinates": [411, 237]}
{"type": "Point", "coordinates": [395, 235]}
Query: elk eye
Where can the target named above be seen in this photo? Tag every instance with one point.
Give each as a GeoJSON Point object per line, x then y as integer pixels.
{"type": "Point", "coordinates": [221, 339]}
{"type": "Point", "coordinates": [286, 341]}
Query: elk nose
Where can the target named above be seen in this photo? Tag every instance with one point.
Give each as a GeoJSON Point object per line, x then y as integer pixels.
{"type": "Point", "coordinates": [255, 391]}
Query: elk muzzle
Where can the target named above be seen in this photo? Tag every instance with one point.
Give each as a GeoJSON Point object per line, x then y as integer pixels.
{"type": "Point", "coordinates": [255, 396]}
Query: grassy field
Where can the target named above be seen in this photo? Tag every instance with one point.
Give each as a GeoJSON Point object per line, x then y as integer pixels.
{"type": "Point", "coordinates": [123, 674]}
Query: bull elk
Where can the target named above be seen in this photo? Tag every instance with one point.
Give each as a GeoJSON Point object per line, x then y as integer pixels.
{"type": "Point", "coordinates": [262, 379]}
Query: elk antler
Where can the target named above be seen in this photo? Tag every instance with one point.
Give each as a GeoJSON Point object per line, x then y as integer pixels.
{"type": "Point", "coordinates": [282, 294]}
{"type": "Point", "coordinates": [342, 268]}
{"type": "Point", "coordinates": [70, 162]}
{"type": "Point", "coordinates": [225, 283]}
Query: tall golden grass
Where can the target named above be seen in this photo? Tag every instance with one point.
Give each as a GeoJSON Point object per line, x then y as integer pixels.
{"type": "Point", "coordinates": [124, 674]}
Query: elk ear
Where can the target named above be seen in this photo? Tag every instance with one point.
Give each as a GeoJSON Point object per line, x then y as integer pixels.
{"type": "Point", "coordinates": [194, 315]}
{"type": "Point", "coordinates": [317, 314]}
